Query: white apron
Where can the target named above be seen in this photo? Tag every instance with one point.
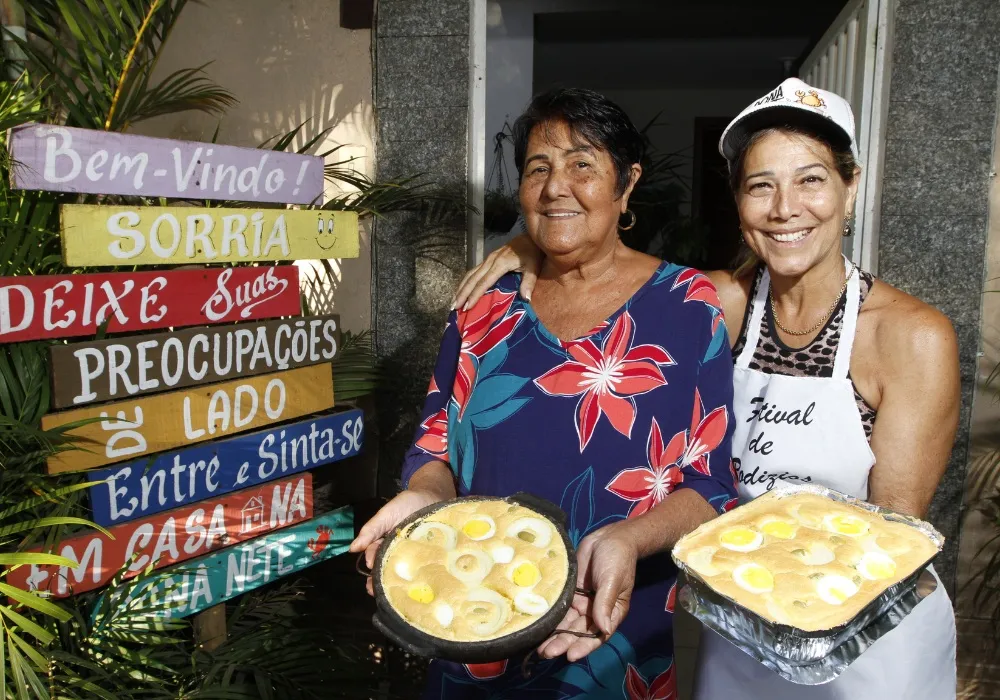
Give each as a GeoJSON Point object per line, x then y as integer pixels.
{"type": "Point", "coordinates": [795, 430]}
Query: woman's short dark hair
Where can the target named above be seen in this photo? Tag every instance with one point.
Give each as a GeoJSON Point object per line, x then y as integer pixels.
{"type": "Point", "coordinates": [840, 148]}
{"type": "Point", "coordinates": [591, 117]}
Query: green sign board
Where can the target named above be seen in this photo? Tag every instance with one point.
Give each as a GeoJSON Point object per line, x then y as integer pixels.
{"type": "Point", "coordinates": [189, 588]}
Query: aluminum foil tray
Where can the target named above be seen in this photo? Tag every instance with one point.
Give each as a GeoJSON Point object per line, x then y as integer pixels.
{"type": "Point", "coordinates": [784, 647]}
{"type": "Point", "coordinates": [746, 638]}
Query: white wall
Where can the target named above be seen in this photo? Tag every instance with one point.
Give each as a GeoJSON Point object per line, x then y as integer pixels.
{"type": "Point", "coordinates": [287, 62]}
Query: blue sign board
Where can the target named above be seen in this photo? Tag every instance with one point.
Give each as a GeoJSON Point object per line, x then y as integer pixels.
{"type": "Point", "coordinates": [153, 484]}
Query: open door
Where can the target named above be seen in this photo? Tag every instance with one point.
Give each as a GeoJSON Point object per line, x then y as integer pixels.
{"type": "Point", "coordinates": [853, 60]}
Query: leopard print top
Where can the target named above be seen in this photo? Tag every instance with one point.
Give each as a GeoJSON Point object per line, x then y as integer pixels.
{"type": "Point", "coordinates": [772, 356]}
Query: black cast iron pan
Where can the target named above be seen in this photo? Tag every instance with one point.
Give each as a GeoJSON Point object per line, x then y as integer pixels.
{"type": "Point", "coordinates": [417, 642]}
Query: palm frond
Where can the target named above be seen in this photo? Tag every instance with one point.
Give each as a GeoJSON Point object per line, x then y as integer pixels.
{"type": "Point", "coordinates": [356, 369]}
{"type": "Point", "coordinates": [100, 58]}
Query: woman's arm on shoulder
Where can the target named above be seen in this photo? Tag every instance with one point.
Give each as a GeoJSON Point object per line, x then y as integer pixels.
{"type": "Point", "coordinates": [520, 254]}
{"type": "Point", "coordinates": [918, 413]}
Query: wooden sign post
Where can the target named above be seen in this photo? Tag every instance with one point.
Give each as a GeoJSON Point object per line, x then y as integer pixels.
{"type": "Point", "coordinates": [202, 583]}
{"type": "Point", "coordinates": [118, 235]}
{"type": "Point", "coordinates": [171, 479]}
{"type": "Point", "coordinates": [64, 159]}
{"type": "Point", "coordinates": [166, 421]}
{"type": "Point", "coordinates": [210, 629]}
{"type": "Point", "coordinates": [170, 537]}
{"type": "Point", "coordinates": [65, 306]}
{"type": "Point", "coordinates": [106, 370]}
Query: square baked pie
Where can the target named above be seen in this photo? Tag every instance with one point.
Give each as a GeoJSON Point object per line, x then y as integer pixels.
{"type": "Point", "coordinates": [475, 570]}
{"type": "Point", "coordinates": [803, 559]}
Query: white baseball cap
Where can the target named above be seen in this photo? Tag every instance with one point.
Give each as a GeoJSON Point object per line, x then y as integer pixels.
{"type": "Point", "coordinates": [792, 102]}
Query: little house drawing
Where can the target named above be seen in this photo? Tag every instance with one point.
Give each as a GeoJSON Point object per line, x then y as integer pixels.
{"type": "Point", "coordinates": [252, 514]}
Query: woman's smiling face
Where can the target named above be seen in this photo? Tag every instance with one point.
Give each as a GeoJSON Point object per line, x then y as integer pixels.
{"type": "Point", "coordinates": [793, 202]}
{"type": "Point", "coordinates": [568, 191]}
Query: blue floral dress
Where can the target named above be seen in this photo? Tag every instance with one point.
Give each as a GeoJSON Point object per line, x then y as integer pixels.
{"type": "Point", "coordinates": [605, 426]}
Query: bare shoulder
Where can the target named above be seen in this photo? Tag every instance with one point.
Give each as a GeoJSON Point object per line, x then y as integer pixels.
{"type": "Point", "coordinates": [911, 336]}
{"type": "Point", "coordinates": [734, 292]}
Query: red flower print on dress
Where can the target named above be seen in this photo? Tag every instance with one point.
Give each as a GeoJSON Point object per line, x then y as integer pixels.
{"type": "Point", "coordinates": [663, 687]}
{"type": "Point", "coordinates": [706, 434]}
{"type": "Point", "coordinates": [729, 505]}
{"type": "Point", "coordinates": [647, 486]}
{"type": "Point", "coordinates": [484, 672]}
{"type": "Point", "coordinates": [700, 288]}
{"type": "Point", "coordinates": [482, 328]}
{"type": "Point", "coordinates": [607, 378]}
{"type": "Point", "coordinates": [434, 441]}
{"type": "Point", "coordinates": [671, 598]}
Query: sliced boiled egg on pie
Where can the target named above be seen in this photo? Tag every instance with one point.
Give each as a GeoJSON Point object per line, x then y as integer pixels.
{"type": "Point", "coordinates": [502, 554]}
{"type": "Point", "coordinates": [753, 578]}
{"type": "Point", "coordinates": [846, 524]}
{"type": "Point", "coordinates": [781, 528]}
{"type": "Point", "coordinates": [869, 543]}
{"type": "Point", "coordinates": [834, 589]}
{"type": "Point", "coordinates": [816, 554]}
{"type": "Point", "coordinates": [421, 592]}
{"type": "Point", "coordinates": [470, 566]}
{"type": "Point", "coordinates": [741, 539]}
{"type": "Point", "coordinates": [700, 559]}
{"type": "Point", "coordinates": [403, 569]}
{"type": "Point", "coordinates": [444, 614]}
{"type": "Point", "coordinates": [435, 533]}
{"type": "Point", "coordinates": [530, 603]}
{"type": "Point", "coordinates": [806, 515]}
{"type": "Point", "coordinates": [479, 527]}
{"type": "Point", "coordinates": [524, 573]}
{"type": "Point", "coordinates": [485, 611]}
{"type": "Point", "coordinates": [531, 530]}
{"type": "Point", "coordinates": [876, 566]}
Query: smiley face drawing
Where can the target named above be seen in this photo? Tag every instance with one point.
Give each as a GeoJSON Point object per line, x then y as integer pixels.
{"type": "Point", "coordinates": [325, 238]}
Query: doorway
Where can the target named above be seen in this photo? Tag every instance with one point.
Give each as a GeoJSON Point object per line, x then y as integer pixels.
{"type": "Point", "coordinates": [680, 70]}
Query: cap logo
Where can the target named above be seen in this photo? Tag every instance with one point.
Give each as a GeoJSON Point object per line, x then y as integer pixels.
{"type": "Point", "coordinates": [773, 96]}
{"type": "Point", "coordinates": [810, 99]}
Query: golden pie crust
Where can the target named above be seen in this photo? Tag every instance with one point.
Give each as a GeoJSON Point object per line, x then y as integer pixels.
{"type": "Point", "coordinates": [803, 559]}
{"type": "Point", "coordinates": [475, 570]}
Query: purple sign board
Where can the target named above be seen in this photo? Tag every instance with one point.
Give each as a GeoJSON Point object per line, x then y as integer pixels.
{"type": "Point", "coordinates": [64, 159]}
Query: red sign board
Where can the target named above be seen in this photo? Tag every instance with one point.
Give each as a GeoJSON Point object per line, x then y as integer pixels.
{"type": "Point", "coordinates": [63, 306]}
{"type": "Point", "coordinates": [170, 537]}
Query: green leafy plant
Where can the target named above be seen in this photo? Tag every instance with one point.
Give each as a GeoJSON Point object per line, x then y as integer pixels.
{"type": "Point", "coordinates": [92, 64]}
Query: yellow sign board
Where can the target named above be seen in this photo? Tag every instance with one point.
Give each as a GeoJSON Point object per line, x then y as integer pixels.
{"type": "Point", "coordinates": [130, 429]}
{"type": "Point", "coordinates": [96, 235]}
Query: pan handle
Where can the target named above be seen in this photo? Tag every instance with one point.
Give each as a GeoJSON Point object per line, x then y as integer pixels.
{"type": "Point", "coordinates": [537, 503]}
{"type": "Point", "coordinates": [361, 567]}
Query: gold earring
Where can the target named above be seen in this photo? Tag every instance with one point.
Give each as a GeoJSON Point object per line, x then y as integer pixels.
{"type": "Point", "coordinates": [847, 228]}
{"type": "Point", "coordinates": [631, 224]}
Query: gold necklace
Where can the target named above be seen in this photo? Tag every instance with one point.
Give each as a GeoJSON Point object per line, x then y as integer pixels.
{"type": "Point", "coordinates": [815, 327]}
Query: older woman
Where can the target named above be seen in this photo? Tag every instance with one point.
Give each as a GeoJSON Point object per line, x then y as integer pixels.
{"type": "Point", "coordinates": [877, 368]}
{"type": "Point", "coordinates": [608, 394]}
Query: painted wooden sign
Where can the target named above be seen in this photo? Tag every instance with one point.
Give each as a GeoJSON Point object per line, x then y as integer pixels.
{"type": "Point", "coordinates": [63, 159]}
{"type": "Point", "coordinates": [199, 584]}
{"type": "Point", "coordinates": [170, 538]}
{"type": "Point", "coordinates": [117, 235]}
{"type": "Point", "coordinates": [116, 369]}
{"type": "Point", "coordinates": [145, 486]}
{"type": "Point", "coordinates": [65, 306]}
{"type": "Point", "coordinates": [166, 421]}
